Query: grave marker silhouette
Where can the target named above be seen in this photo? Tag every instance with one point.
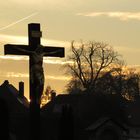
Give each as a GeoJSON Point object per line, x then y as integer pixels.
{"type": "Point", "coordinates": [36, 52]}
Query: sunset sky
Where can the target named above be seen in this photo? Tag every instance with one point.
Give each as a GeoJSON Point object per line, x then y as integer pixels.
{"type": "Point", "coordinates": [116, 22]}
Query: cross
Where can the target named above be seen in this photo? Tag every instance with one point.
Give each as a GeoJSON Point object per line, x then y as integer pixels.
{"type": "Point", "coordinates": [36, 52]}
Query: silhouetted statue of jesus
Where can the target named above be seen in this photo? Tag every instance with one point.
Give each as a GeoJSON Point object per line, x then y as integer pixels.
{"type": "Point", "coordinates": [37, 72]}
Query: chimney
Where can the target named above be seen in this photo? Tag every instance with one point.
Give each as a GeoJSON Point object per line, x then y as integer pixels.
{"type": "Point", "coordinates": [21, 89]}
{"type": "Point", "coordinates": [53, 95]}
{"type": "Point", "coordinates": [6, 82]}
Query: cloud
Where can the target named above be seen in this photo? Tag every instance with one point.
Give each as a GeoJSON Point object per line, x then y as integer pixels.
{"type": "Point", "coordinates": [13, 75]}
{"type": "Point", "coordinates": [51, 61]}
{"type": "Point", "coordinates": [24, 40]}
{"type": "Point", "coordinates": [13, 39]}
{"type": "Point", "coordinates": [62, 78]}
{"type": "Point", "coordinates": [124, 16]}
{"type": "Point", "coordinates": [25, 75]}
{"type": "Point", "coordinates": [13, 57]}
{"type": "Point", "coordinates": [25, 58]}
{"type": "Point", "coordinates": [46, 60]}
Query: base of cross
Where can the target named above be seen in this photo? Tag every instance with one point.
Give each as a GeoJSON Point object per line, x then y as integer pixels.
{"type": "Point", "coordinates": [34, 121]}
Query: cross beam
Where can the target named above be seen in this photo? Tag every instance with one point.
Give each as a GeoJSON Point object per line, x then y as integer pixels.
{"type": "Point", "coordinates": [36, 52]}
{"type": "Point", "coordinates": [50, 50]}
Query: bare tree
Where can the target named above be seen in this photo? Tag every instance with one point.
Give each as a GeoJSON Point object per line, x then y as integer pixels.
{"type": "Point", "coordinates": [88, 61]}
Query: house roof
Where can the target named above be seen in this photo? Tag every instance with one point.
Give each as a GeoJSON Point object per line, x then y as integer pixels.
{"type": "Point", "coordinates": [98, 123]}
{"type": "Point", "coordinates": [11, 95]}
{"type": "Point", "coordinates": [102, 121]}
{"type": "Point", "coordinates": [132, 112]}
{"type": "Point", "coordinates": [91, 107]}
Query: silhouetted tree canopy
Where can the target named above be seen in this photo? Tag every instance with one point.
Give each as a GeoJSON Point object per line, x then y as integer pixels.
{"type": "Point", "coordinates": [88, 62]}
{"type": "Point", "coordinates": [96, 68]}
{"type": "Point", "coordinates": [125, 82]}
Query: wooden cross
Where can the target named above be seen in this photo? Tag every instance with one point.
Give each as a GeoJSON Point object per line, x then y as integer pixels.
{"type": "Point", "coordinates": [35, 52]}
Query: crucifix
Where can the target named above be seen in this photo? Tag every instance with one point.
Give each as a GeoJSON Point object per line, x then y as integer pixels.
{"type": "Point", "coordinates": [36, 52]}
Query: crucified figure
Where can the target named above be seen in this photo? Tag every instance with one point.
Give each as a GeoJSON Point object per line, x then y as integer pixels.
{"type": "Point", "coordinates": [37, 72]}
{"type": "Point", "coordinates": [36, 69]}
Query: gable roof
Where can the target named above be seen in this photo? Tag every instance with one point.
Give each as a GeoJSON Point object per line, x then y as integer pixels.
{"type": "Point", "coordinates": [11, 95]}
{"type": "Point", "coordinates": [104, 120]}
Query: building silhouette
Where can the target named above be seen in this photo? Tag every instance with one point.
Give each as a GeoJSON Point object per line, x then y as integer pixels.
{"type": "Point", "coordinates": [95, 117]}
{"type": "Point", "coordinates": [18, 110]}
{"type": "Point", "coordinates": [72, 117]}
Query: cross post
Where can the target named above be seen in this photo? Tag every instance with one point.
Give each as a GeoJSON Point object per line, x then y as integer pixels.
{"type": "Point", "coordinates": [36, 52]}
